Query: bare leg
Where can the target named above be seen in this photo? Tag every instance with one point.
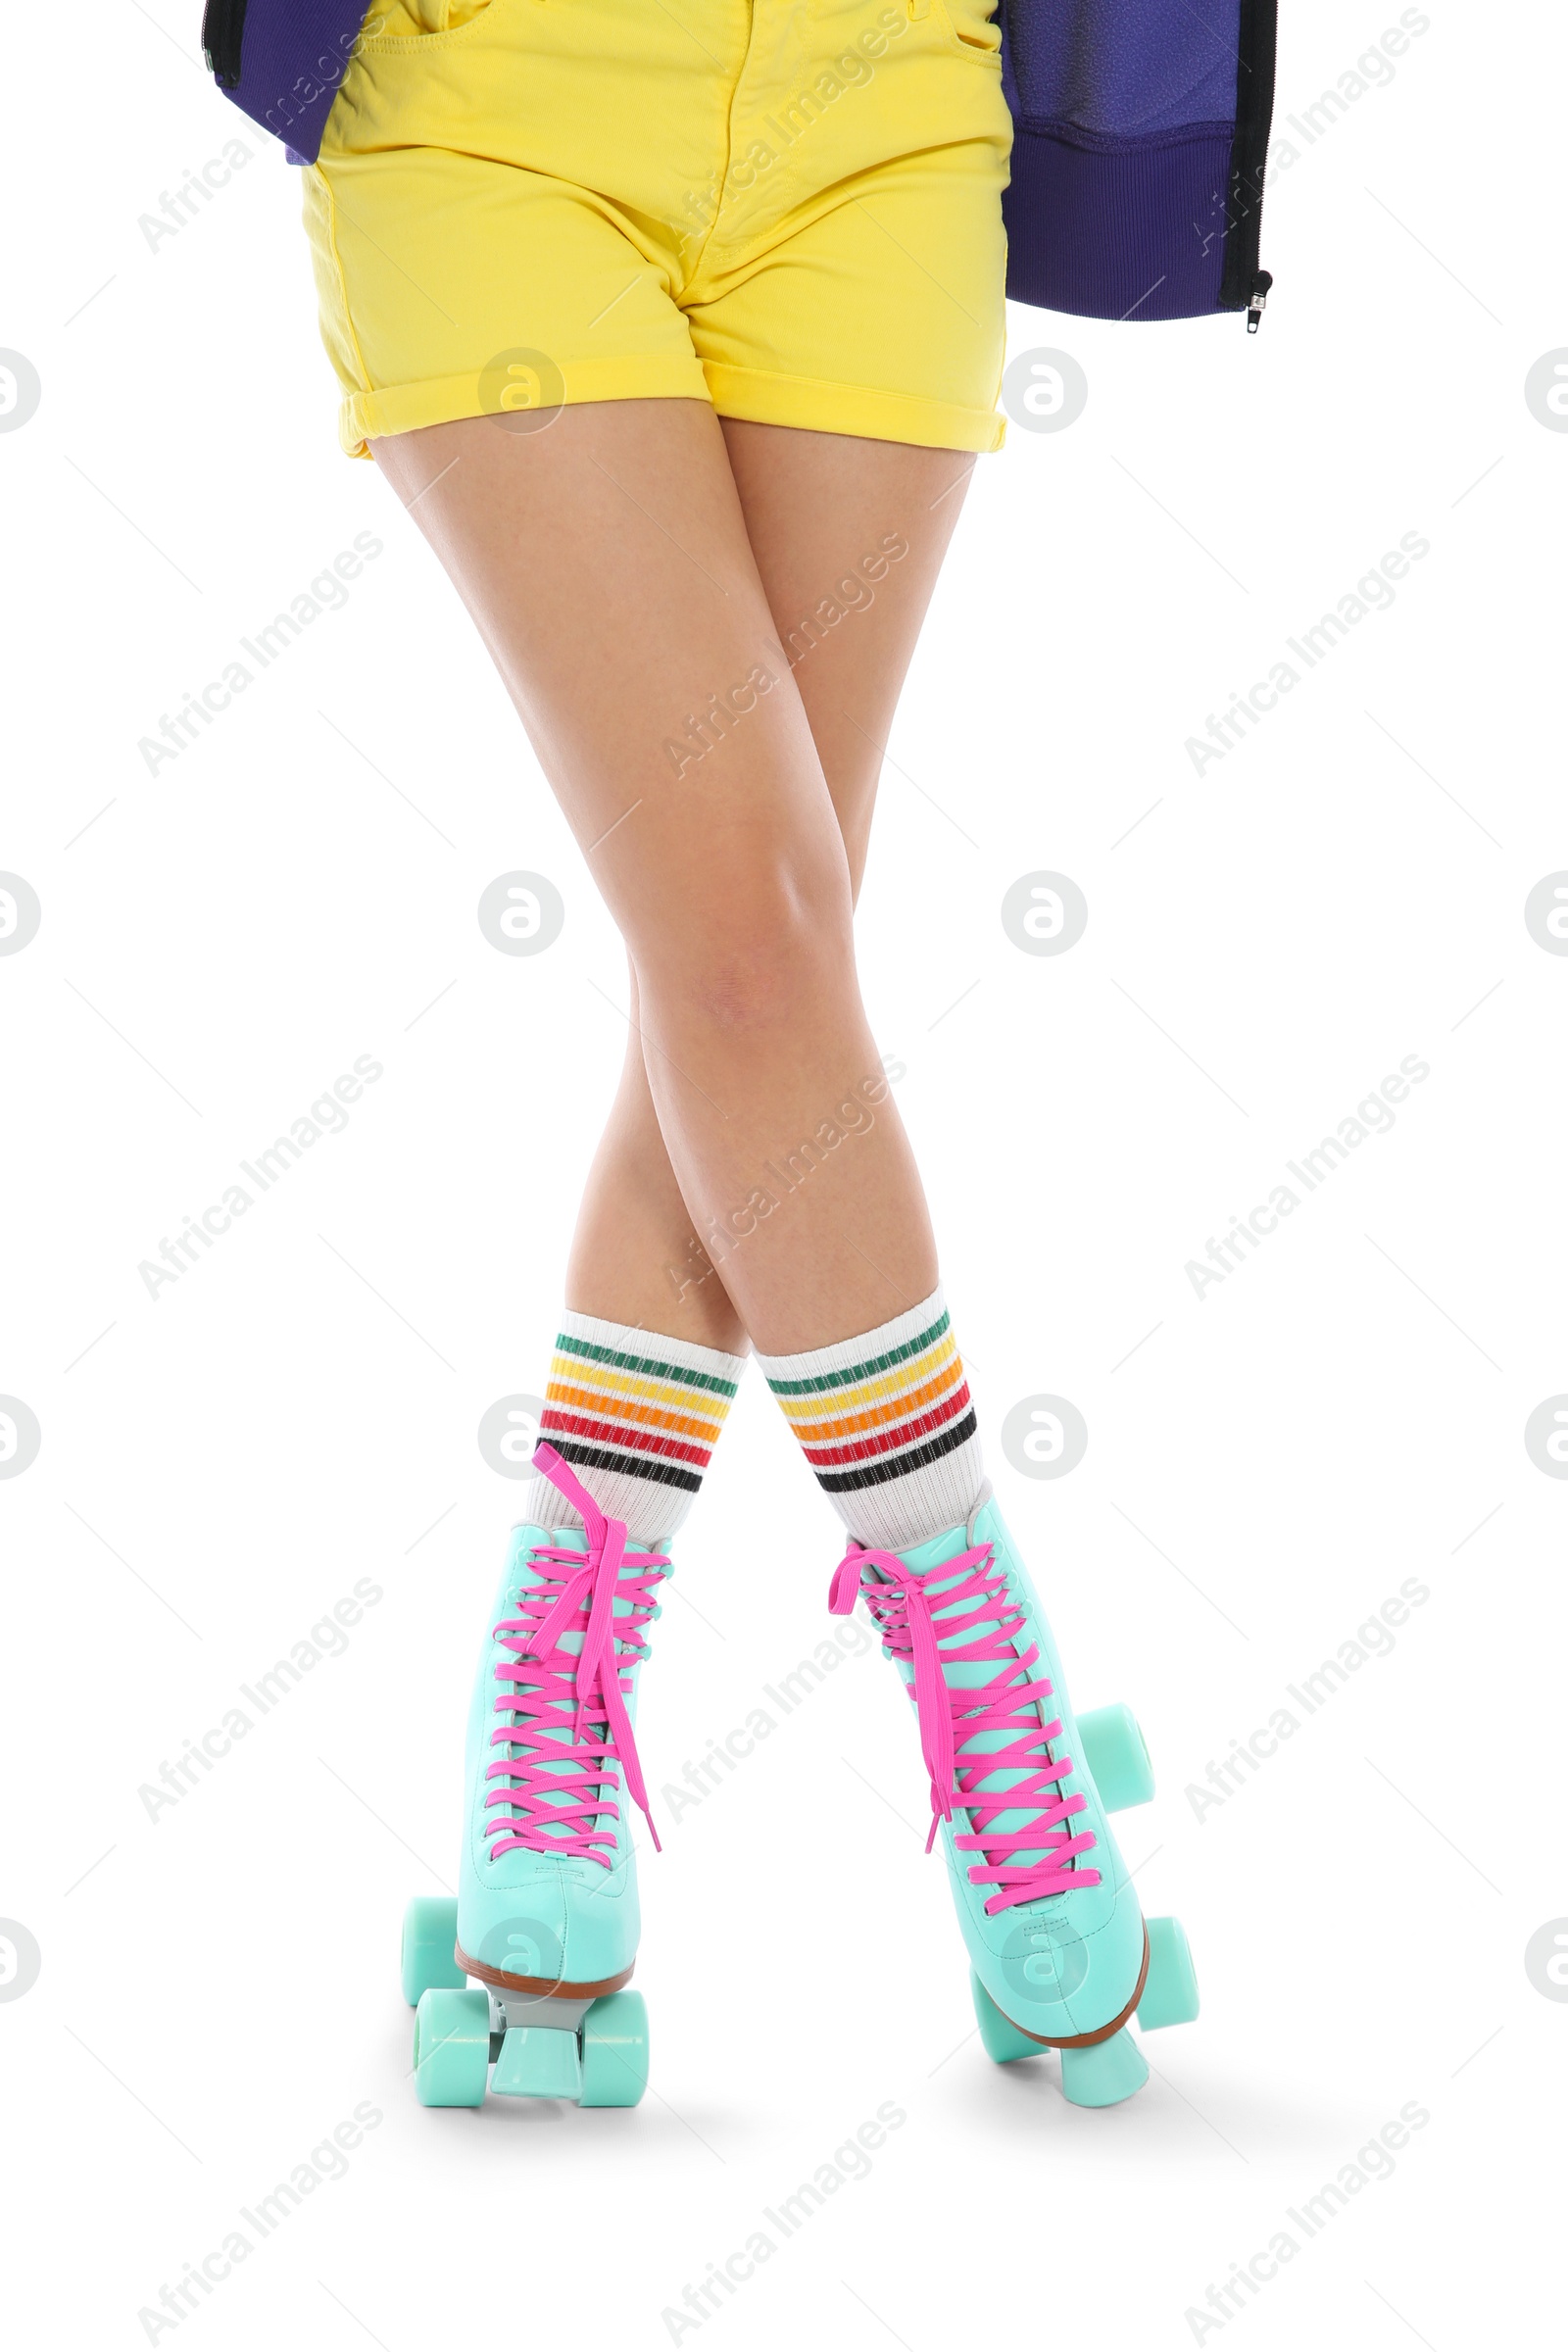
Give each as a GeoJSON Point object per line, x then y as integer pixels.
{"type": "Point", "coordinates": [820, 510]}
{"type": "Point", "coordinates": [607, 561]}
{"type": "Point", "coordinates": [818, 507]}
{"type": "Point", "coordinates": [635, 1254]}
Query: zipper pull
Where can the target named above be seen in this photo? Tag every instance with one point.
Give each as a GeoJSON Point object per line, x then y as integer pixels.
{"type": "Point", "coordinates": [1256, 301]}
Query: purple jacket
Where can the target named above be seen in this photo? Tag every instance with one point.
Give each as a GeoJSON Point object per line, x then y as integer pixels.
{"type": "Point", "coordinates": [1140, 133]}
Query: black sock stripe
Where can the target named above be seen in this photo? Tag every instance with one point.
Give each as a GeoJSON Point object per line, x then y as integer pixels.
{"type": "Point", "coordinates": [877, 1474]}
{"type": "Point", "coordinates": [645, 1466]}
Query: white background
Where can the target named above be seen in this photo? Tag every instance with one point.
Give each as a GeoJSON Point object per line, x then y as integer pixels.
{"type": "Point", "coordinates": [1344, 1412]}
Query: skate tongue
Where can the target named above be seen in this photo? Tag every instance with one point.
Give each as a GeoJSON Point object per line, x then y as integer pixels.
{"type": "Point", "coordinates": [949, 1545]}
{"type": "Point", "coordinates": [921, 1560]}
{"type": "Point", "coordinates": [861, 1565]}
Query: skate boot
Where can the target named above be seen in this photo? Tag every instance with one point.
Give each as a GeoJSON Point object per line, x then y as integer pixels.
{"type": "Point", "coordinates": [546, 1917]}
{"type": "Point", "coordinates": [1061, 1954]}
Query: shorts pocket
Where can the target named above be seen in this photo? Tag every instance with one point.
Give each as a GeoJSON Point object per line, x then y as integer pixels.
{"type": "Point", "coordinates": [399, 25]}
{"type": "Point", "coordinates": [972, 26]}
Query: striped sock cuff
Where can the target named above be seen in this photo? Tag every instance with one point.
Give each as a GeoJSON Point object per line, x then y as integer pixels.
{"type": "Point", "coordinates": [637, 1415]}
{"type": "Point", "coordinates": [889, 1410]}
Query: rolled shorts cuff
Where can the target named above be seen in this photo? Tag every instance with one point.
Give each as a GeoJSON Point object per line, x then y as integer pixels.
{"type": "Point", "coordinates": [749, 393]}
{"type": "Point", "coordinates": [367, 416]}
{"type": "Point", "coordinates": [761, 398]}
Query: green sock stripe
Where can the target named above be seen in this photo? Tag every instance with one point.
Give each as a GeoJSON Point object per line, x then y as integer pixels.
{"type": "Point", "coordinates": [853, 1373]}
{"type": "Point", "coordinates": [682, 1373]}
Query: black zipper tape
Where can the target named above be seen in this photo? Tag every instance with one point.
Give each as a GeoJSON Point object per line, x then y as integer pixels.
{"type": "Point", "coordinates": [223, 38]}
{"type": "Point", "coordinates": [1243, 285]}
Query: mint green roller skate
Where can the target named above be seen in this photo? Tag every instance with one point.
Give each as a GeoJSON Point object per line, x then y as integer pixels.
{"type": "Point", "coordinates": [1060, 1956]}
{"type": "Point", "coordinates": [546, 1917]}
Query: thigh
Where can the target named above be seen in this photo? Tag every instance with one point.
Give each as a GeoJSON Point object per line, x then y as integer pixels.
{"type": "Point", "coordinates": [606, 562]}
{"type": "Point", "coordinates": [849, 537]}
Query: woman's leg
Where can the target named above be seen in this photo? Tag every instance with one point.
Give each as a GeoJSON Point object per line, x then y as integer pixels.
{"type": "Point", "coordinates": [635, 1256]}
{"type": "Point", "coordinates": [818, 509]}
{"type": "Point", "coordinates": [607, 562]}
{"type": "Point", "coordinates": [862, 526]}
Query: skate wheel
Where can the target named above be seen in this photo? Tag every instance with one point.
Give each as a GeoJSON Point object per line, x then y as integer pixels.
{"type": "Point", "coordinates": [615, 2051]}
{"type": "Point", "coordinates": [999, 2035]}
{"type": "Point", "coordinates": [1116, 1757]}
{"type": "Point", "coordinates": [1104, 2074]}
{"type": "Point", "coordinates": [429, 1933]}
{"type": "Point", "coordinates": [450, 2047]}
{"type": "Point", "coordinates": [1170, 1989]}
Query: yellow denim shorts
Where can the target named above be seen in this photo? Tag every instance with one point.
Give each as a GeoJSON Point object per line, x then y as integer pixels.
{"type": "Point", "coordinates": [789, 208]}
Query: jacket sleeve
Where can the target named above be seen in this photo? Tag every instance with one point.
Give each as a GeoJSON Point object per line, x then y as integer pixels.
{"type": "Point", "coordinates": [1140, 133]}
{"type": "Point", "coordinates": [281, 61]}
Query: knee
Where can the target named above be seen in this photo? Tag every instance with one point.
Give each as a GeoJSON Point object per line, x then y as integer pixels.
{"type": "Point", "coordinates": [755, 957]}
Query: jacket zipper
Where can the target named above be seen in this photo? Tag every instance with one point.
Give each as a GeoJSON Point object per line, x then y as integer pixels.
{"type": "Point", "coordinates": [1243, 287]}
{"type": "Point", "coordinates": [222, 35]}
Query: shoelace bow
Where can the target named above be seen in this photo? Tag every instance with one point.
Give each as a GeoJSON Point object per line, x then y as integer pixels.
{"type": "Point", "coordinates": [564, 1711]}
{"type": "Point", "coordinates": [979, 1620]}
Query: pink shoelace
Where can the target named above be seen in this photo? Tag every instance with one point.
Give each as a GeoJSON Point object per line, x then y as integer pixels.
{"type": "Point", "coordinates": [565, 1725]}
{"type": "Point", "coordinates": [978, 1622]}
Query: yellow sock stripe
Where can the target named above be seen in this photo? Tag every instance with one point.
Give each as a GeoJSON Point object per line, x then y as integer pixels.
{"type": "Point", "coordinates": [589, 1401]}
{"type": "Point", "coordinates": [613, 1391]}
{"type": "Point", "coordinates": [905, 1407]}
{"type": "Point", "coordinates": [885, 1389]}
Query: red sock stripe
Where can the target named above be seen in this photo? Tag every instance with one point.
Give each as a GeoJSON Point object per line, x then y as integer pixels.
{"type": "Point", "coordinates": [631, 1437]}
{"type": "Point", "coordinates": [907, 1433]}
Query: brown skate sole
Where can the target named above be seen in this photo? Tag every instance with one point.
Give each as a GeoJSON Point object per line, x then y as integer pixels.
{"type": "Point", "coordinates": [1086, 2041]}
{"type": "Point", "coordinates": [552, 1989]}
